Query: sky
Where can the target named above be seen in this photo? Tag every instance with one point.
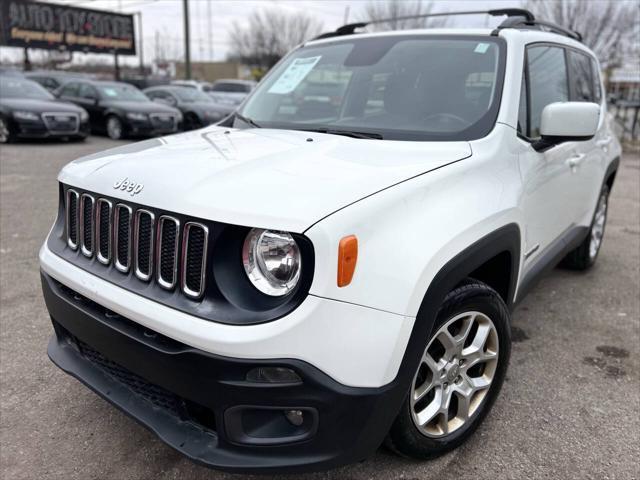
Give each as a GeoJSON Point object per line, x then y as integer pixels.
{"type": "Point", "coordinates": [210, 19]}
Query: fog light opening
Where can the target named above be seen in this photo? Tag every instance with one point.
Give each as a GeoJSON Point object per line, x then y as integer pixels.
{"type": "Point", "coordinates": [295, 417]}
{"type": "Point", "coordinates": [273, 375]}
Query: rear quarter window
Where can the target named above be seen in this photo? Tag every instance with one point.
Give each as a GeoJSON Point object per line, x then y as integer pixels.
{"type": "Point", "coordinates": [582, 82]}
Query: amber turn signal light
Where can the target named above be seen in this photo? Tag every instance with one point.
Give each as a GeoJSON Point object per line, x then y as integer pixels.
{"type": "Point", "coordinates": [347, 258]}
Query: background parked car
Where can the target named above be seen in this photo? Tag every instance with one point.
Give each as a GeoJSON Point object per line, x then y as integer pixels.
{"type": "Point", "coordinates": [54, 79]}
{"type": "Point", "coordinates": [120, 110]}
{"type": "Point", "coordinates": [202, 86]}
{"type": "Point", "coordinates": [231, 92]}
{"type": "Point", "coordinates": [27, 110]}
{"type": "Point", "coordinates": [198, 109]}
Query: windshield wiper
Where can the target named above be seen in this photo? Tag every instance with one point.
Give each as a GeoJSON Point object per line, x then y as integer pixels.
{"type": "Point", "coordinates": [348, 133]}
{"type": "Point", "coordinates": [247, 120]}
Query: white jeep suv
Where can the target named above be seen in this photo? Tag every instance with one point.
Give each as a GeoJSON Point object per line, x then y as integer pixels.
{"type": "Point", "coordinates": [335, 264]}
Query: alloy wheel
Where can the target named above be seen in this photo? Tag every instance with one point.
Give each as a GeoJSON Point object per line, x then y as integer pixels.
{"type": "Point", "coordinates": [455, 374]}
{"type": "Point", "coordinates": [114, 128]}
{"type": "Point", "coordinates": [597, 229]}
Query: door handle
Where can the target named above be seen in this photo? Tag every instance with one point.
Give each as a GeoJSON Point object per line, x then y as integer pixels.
{"type": "Point", "coordinates": [575, 160]}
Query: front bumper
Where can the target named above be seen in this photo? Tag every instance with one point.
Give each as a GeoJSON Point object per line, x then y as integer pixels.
{"type": "Point", "coordinates": [146, 128]}
{"type": "Point", "coordinates": [201, 405]}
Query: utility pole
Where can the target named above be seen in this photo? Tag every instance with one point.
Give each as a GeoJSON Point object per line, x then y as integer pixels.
{"type": "Point", "coordinates": [187, 52]}
{"type": "Point", "coordinates": [141, 46]}
{"type": "Point", "coordinates": [346, 15]}
{"type": "Point", "coordinates": [210, 31]}
{"type": "Point", "coordinates": [27, 62]}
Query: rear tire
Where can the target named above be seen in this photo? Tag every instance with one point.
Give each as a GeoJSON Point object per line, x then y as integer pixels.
{"type": "Point", "coordinates": [585, 255]}
{"type": "Point", "coordinates": [465, 360]}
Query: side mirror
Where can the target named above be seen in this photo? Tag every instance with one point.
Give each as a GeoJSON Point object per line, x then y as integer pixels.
{"type": "Point", "coordinates": [567, 121]}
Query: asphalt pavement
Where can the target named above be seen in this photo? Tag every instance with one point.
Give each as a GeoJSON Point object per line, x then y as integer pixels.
{"type": "Point", "coordinates": [570, 408]}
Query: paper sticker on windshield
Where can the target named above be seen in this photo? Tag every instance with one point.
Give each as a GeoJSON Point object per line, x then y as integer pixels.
{"type": "Point", "coordinates": [294, 74]}
{"type": "Point", "coordinates": [482, 48]}
{"type": "Point", "coordinates": [110, 92]}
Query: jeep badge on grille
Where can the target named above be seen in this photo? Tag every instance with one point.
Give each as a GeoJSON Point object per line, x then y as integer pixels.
{"type": "Point", "coordinates": [127, 185]}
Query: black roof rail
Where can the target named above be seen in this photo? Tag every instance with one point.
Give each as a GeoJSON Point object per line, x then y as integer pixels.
{"type": "Point", "coordinates": [524, 23]}
{"type": "Point", "coordinates": [515, 13]}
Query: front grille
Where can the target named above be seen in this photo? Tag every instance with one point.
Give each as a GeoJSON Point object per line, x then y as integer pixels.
{"type": "Point", "coordinates": [130, 238]}
{"type": "Point", "coordinates": [163, 121]}
{"type": "Point", "coordinates": [193, 257]}
{"type": "Point", "coordinates": [144, 233]}
{"type": "Point", "coordinates": [61, 122]}
{"type": "Point", "coordinates": [87, 204]}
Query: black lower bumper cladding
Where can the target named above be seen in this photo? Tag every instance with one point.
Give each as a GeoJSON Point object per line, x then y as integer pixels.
{"type": "Point", "coordinates": [202, 405]}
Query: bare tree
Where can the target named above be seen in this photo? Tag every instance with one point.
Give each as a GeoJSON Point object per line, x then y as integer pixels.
{"type": "Point", "coordinates": [269, 35]}
{"type": "Point", "coordinates": [395, 10]}
{"type": "Point", "coordinates": [609, 27]}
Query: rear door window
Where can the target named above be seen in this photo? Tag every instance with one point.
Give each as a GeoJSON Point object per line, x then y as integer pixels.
{"type": "Point", "coordinates": [87, 91]}
{"type": "Point", "coordinates": [548, 82]}
{"type": "Point", "coordinates": [70, 90]}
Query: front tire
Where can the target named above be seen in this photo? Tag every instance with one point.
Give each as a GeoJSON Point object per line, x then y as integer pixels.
{"type": "Point", "coordinates": [191, 122]}
{"type": "Point", "coordinates": [115, 128]}
{"type": "Point", "coordinates": [585, 255]}
{"type": "Point", "coordinates": [6, 136]}
{"type": "Point", "coordinates": [460, 373]}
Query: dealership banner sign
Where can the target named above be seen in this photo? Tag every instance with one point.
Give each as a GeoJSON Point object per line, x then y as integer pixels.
{"type": "Point", "coordinates": [25, 23]}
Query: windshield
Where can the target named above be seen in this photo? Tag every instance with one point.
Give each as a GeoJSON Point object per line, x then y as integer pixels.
{"type": "Point", "coordinates": [192, 95]}
{"type": "Point", "coordinates": [15, 87]}
{"type": "Point", "coordinates": [397, 87]}
{"type": "Point", "coordinates": [121, 91]}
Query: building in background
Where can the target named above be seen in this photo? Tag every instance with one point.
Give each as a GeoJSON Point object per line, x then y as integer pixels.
{"type": "Point", "coordinates": [624, 83]}
{"type": "Point", "coordinates": [211, 71]}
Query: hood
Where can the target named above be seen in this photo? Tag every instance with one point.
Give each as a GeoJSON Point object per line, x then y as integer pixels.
{"type": "Point", "coordinates": [138, 107]}
{"type": "Point", "coordinates": [36, 105]}
{"type": "Point", "coordinates": [266, 178]}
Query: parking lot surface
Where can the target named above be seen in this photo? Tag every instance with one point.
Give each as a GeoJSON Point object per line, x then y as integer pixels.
{"type": "Point", "coordinates": [570, 407]}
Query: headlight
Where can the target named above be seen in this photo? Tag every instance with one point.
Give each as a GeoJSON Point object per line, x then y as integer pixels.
{"type": "Point", "coordinates": [84, 116]}
{"type": "Point", "coordinates": [21, 115]}
{"type": "Point", "coordinates": [272, 261]}
{"type": "Point", "coordinates": [140, 117]}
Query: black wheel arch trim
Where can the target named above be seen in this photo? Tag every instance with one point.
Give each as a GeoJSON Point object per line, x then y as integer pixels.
{"type": "Point", "coordinates": [505, 239]}
{"type": "Point", "coordinates": [612, 170]}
